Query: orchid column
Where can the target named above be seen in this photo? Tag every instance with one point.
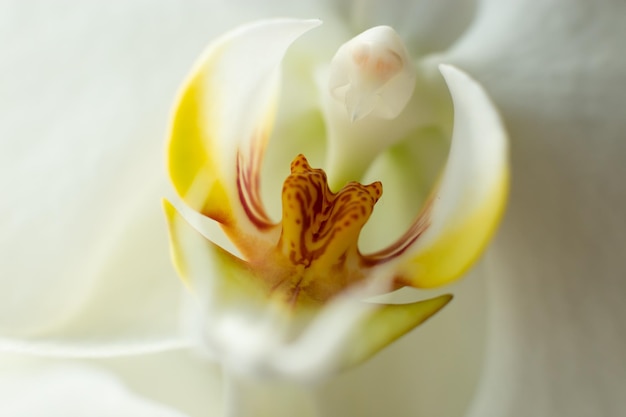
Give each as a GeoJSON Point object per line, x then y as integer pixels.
{"type": "Point", "coordinates": [292, 299]}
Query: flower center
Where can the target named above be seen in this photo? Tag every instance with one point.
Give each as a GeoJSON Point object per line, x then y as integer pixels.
{"type": "Point", "coordinates": [320, 230]}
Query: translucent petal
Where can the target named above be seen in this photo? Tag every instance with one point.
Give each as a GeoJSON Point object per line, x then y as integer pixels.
{"type": "Point", "coordinates": [127, 273]}
{"type": "Point", "coordinates": [205, 266]}
{"type": "Point", "coordinates": [433, 370]}
{"type": "Point", "coordinates": [557, 72]}
{"type": "Point", "coordinates": [222, 122]}
{"type": "Point", "coordinates": [72, 391]}
{"type": "Point", "coordinates": [384, 325]}
{"type": "Point", "coordinates": [81, 173]}
{"type": "Point", "coordinates": [462, 214]}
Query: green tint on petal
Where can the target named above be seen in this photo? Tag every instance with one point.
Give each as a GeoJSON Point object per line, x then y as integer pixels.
{"type": "Point", "coordinates": [246, 320]}
{"type": "Point", "coordinates": [458, 248]}
{"type": "Point", "coordinates": [386, 324]}
{"type": "Point", "coordinates": [409, 172]}
{"type": "Point", "coordinates": [201, 263]}
{"type": "Point", "coordinates": [463, 212]}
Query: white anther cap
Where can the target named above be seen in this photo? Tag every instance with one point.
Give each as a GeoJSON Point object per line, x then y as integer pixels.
{"type": "Point", "coordinates": [372, 74]}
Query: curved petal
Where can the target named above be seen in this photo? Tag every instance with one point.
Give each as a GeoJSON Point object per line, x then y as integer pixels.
{"type": "Point", "coordinates": [223, 120]}
{"type": "Point", "coordinates": [203, 265]}
{"type": "Point", "coordinates": [432, 371]}
{"type": "Point", "coordinates": [81, 229]}
{"type": "Point", "coordinates": [462, 214]}
{"type": "Point", "coordinates": [556, 336]}
{"type": "Point", "coordinates": [193, 385]}
{"type": "Point", "coordinates": [409, 172]}
{"type": "Point", "coordinates": [143, 288]}
{"type": "Point", "coordinates": [72, 391]}
{"type": "Point", "coordinates": [386, 324]}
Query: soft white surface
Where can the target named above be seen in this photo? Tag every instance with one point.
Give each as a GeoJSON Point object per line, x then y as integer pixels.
{"type": "Point", "coordinates": [87, 86]}
{"type": "Point", "coordinates": [557, 338]}
{"type": "Point", "coordinates": [176, 380]}
{"type": "Point", "coordinates": [72, 391]}
{"type": "Point", "coordinates": [476, 167]}
{"type": "Point", "coordinates": [372, 74]}
{"type": "Point", "coordinates": [86, 95]}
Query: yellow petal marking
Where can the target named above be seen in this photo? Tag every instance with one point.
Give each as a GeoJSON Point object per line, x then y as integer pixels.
{"type": "Point", "coordinates": [460, 246]}
{"type": "Point", "coordinates": [191, 168]}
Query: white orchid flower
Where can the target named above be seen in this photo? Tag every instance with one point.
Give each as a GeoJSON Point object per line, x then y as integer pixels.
{"type": "Point", "coordinates": [293, 303]}
{"type": "Point", "coordinates": [87, 90]}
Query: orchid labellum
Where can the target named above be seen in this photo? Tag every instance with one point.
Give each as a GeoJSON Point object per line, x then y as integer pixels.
{"type": "Point", "coordinates": [293, 296]}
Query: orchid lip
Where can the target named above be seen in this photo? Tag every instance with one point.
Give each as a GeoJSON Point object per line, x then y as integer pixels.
{"type": "Point", "coordinates": [316, 255]}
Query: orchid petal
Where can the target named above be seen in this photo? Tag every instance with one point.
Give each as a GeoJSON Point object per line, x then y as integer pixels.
{"type": "Point", "coordinates": [556, 333]}
{"type": "Point", "coordinates": [200, 263]}
{"type": "Point", "coordinates": [462, 214]}
{"type": "Point", "coordinates": [431, 371]}
{"type": "Point", "coordinates": [143, 288]}
{"type": "Point", "coordinates": [192, 385]}
{"type": "Point", "coordinates": [80, 174]}
{"type": "Point", "coordinates": [223, 120]}
{"type": "Point", "coordinates": [72, 391]}
{"type": "Point", "coordinates": [384, 325]}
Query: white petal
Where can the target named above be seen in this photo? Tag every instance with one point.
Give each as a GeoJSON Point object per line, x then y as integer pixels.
{"type": "Point", "coordinates": [432, 371]}
{"type": "Point", "coordinates": [478, 160]}
{"type": "Point", "coordinates": [72, 391]}
{"type": "Point", "coordinates": [461, 215]}
{"type": "Point", "coordinates": [180, 379]}
{"type": "Point", "coordinates": [409, 172]}
{"type": "Point", "coordinates": [132, 307]}
{"type": "Point", "coordinates": [222, 123]}
{"type": "Point", "coordinates": [557, 71]}
{"type": "Point", "coordinates": [263, 398]}
{"type": "Point", "coordinates": [84, 114]}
